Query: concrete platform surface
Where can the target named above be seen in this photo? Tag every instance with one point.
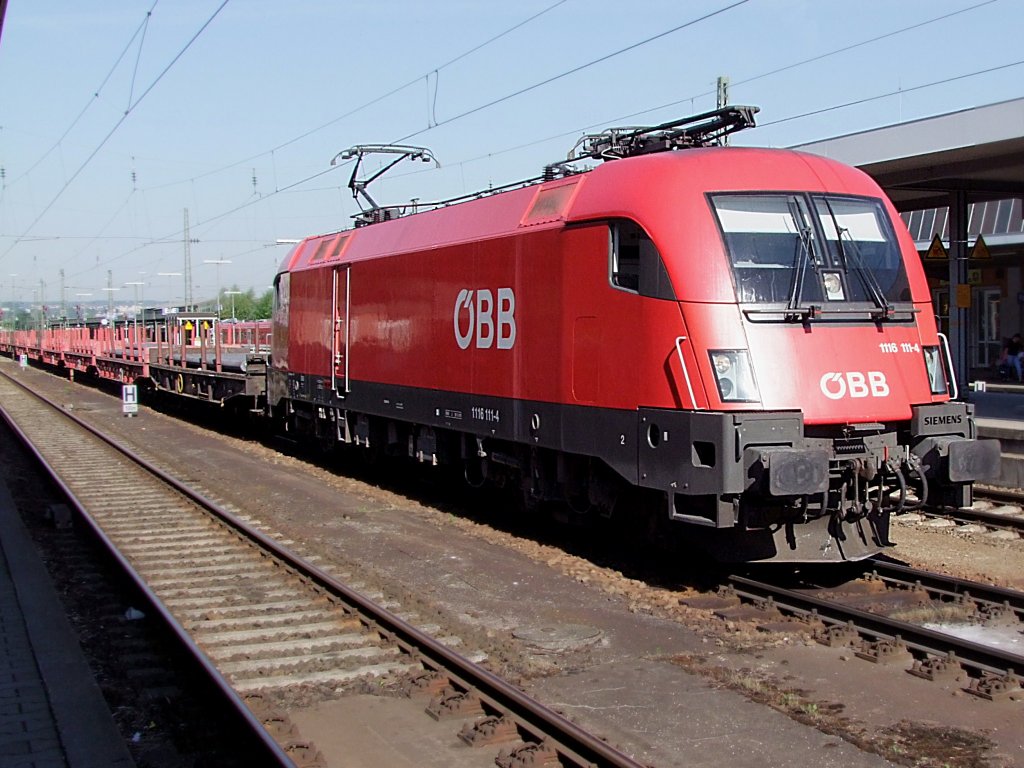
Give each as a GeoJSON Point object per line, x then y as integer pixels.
{"type": "Point", "coordinates": [52, 713]}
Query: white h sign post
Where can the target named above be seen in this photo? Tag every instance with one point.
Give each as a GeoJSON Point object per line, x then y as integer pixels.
{"type": "Point", "coordinates": [130, 399]}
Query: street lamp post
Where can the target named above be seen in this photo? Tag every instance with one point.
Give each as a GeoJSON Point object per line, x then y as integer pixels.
{"type": "Point", "coordinates": [81, 313]}
{"type": "Point", "coordinates": [217, 263]}
{"type": "Point", "coordinates": [109, 290]}
{"type": "Point", "coordinates": [169, 295]}
{"type": "Point", "coordinates": [232, 294]}
{"type": "Point", "coordinates": [14, 298]}
{"type": "Point", "coordinates": [42, 304]}
{"type": "Point", "coordinates": [135, 285]}
{"type": "Point", "coordinates": [136, 305]}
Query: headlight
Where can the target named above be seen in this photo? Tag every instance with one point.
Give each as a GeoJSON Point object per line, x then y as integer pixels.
{"type": "Point", "coordinates": [936, 370]}
{"type": "Point", "coordinates": [734, 376]}
{"type": "Point", "coordinates": [833, 286]}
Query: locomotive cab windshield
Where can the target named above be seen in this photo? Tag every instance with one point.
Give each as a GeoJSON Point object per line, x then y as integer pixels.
{"type": "Point", "coordinates": [812, 254]}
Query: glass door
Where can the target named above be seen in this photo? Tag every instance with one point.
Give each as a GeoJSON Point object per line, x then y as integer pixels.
{"type": "Point", "coordinates": [987, 343]}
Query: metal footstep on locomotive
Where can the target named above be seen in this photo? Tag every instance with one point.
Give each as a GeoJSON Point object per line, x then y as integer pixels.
{"type": "Point", "coordinates": [259, 620]}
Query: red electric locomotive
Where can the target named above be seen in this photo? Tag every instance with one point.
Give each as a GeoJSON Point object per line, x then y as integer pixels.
{"type": "Point", "coordinates": [743, 337]}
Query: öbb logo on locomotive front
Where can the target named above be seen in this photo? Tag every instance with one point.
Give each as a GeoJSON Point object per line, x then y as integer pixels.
{"type": "Point", "coordinates": [836, 385]}
{"type": "Point", "coordinates": [483, 327]}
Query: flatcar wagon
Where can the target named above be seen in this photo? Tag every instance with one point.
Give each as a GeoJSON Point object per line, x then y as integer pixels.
{"type": "Point", "coordinates": [744, 337]}
{"type": "Point", "coordinates": [187, 354]}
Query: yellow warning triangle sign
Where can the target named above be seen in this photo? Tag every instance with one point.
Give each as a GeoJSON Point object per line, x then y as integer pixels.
{"type": "Point", "coordinates": [980, 249]}
{"type": "Point", "coordinates": [936, 250]}
{"type": "Point", "coordinates": [188, 325]}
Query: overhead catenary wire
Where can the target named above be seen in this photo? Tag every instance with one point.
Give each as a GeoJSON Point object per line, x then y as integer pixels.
{"type": "Point", "coordinates": [887, 94]}
{"type": "Point", "coordinates": [896, 92]}
{"type": "Point", "coordinates": [519, 92]}
{"type": "Point", "coordinates": [94, 97]}
{"type": "Point", "coordinates": [573, 70]}
{"type": "Point", "coordinates": [113, 130]}
{"type": "Point", "coordinates": [819, 57]}
{"type": "Point", "coordinates": [138, 57]}
{"type": "Point", "coordinates": [368, 104]}
{"type": "Point", "coordinates": [296, 184]}
{"type": "Point", "coordinates": [735, 83]}
{"type": "Point", "coordinates": [175, 236]}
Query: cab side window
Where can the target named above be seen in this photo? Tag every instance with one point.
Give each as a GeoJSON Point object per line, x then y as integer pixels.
{"type": "Point", "coordinates": [634, 262]}
{"type": "Point", "coordinates": [625, 254]}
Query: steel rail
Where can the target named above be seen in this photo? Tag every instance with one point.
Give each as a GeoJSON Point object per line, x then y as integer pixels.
{"type": "Point", "coordinates": [999, 493]}
{"type": "Point", "coordinates": [980, 657]}
{"type": "Point", "coordinates": [574, 743]}
{"type": "Point", "coordinates": [273, 749]}
{"type": "Point", "coordinates": [1007, 522]}
{"type": "Point", "coordinates": [951, 586]}
{"type": "Point", "coordinates": [989, 492]}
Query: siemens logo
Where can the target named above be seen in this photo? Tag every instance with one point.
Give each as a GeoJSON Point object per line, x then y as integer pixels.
{"type": "Point", "coordinates": [938, 421]}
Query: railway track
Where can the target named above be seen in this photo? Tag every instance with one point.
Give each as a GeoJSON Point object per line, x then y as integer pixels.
{"type": "Point", "coordinates": [1000, 509]}
{"type": "Point", "coordinates": [866, 615]}
{"type": "Point", "coordinates": [1004, 509]}
{"type": "Point", "coordinates": [987, 598]}
{"type": "Point", "coordinates": [259, 620]}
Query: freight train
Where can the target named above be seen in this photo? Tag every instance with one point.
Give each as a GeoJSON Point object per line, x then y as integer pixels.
{"type": "Point", "coordinates": [741, 338]}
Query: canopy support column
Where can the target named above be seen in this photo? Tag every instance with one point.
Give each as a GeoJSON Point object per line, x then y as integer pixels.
{"type": "Point", "coordinates": [959, 289]}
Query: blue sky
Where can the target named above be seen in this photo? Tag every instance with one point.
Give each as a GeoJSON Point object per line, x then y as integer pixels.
{"type": "Point", "coordinates": [231, 126]}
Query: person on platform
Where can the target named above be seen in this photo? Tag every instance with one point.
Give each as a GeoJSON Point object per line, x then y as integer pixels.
{"type": "Point", "coordinates": [1013, 355]}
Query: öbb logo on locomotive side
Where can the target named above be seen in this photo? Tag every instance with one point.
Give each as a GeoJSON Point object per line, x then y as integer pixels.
{"type": "Point", "coordinates": [490, 323]}
{"type": "Point", "coordinates": [836, 385]}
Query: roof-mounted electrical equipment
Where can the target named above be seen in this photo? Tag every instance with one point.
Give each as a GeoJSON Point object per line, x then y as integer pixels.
{"type": "Point", "coordinates": [371, 213]}
{"type": "Point", "coordinates": [703, 130]}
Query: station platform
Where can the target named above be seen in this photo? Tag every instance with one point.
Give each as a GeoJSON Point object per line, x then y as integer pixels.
{"type": "Point", "coordinates": [999, 414]}
{"type": "Point", "coordinates": [52, 713]}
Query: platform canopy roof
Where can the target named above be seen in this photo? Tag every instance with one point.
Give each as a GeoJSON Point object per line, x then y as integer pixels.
{"type": "Point", "coordinates": [918, 163]}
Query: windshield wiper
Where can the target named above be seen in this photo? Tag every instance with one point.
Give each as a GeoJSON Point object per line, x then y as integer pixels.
{"type": "Point", "coordinates": [867, 277]}
{"type": "Point", "coordinates": [803, 255]}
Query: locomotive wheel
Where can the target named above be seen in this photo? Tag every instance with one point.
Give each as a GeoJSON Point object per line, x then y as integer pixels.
{"type": "Point", "coordinates": [474, 472]}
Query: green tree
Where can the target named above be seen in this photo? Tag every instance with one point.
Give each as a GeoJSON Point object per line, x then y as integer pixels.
{"type": "Point", "coordinates": [247, 305]}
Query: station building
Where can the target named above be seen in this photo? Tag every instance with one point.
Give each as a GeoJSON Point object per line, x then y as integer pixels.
{"type": "Point", "coordinates": [994, 277]}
